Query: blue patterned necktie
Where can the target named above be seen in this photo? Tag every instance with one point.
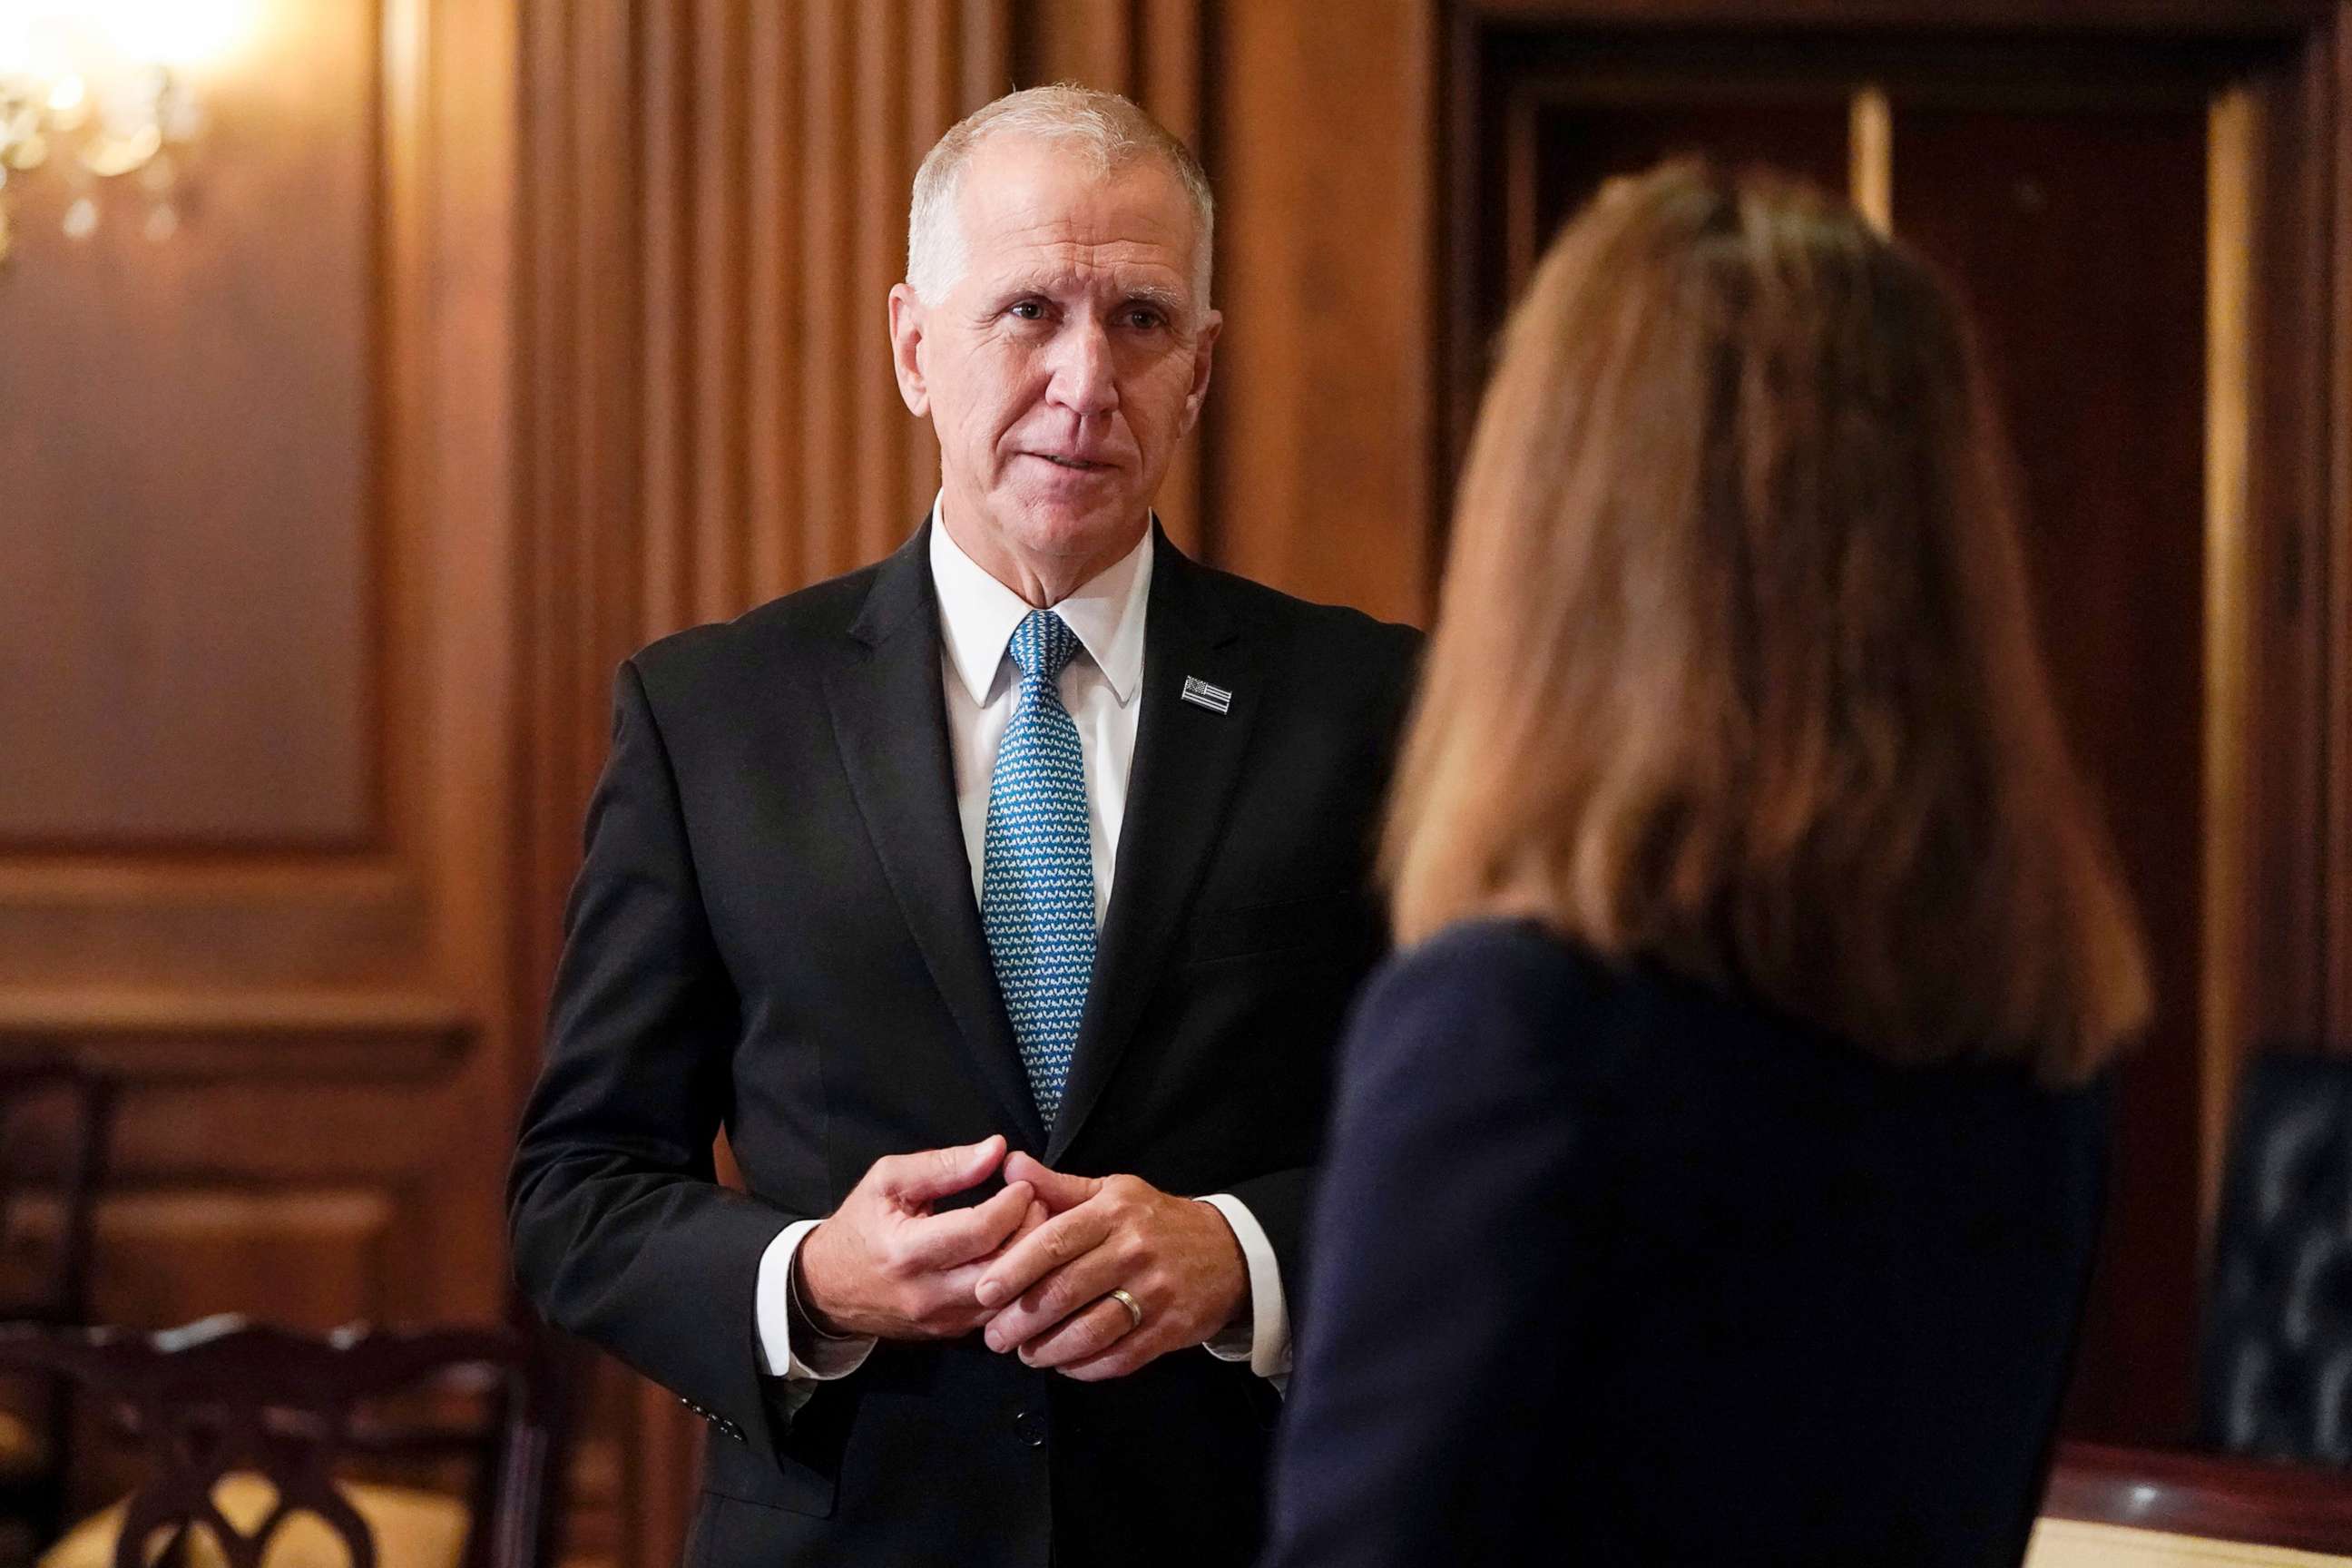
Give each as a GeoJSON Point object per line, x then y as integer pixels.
{"type": "Point", "coordinates": [1037, 869]}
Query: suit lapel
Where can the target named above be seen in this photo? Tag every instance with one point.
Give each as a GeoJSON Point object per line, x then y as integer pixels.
{"type": "Point", "coordinates": [1187, 759]}
{"type": "Point", "coordinates": [888, 715]}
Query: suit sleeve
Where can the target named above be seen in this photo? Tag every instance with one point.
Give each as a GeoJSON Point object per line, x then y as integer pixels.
{"type": "Point", "coordinates": [1450, 1239]}
{"type": "Point", "coordinates": [620, 1230]}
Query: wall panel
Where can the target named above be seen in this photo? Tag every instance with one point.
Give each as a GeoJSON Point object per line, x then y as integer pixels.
{"type": "Point", "coordinates": [220, 364]}
{"type": "Point", "coordinates": [332, 1250]}
{"type": "Point", "coordinates": [252, 848]}
{"type": "Point", "coordinates": [303, 584]}
{"type": "Point", "coordinates": [1320, 431]}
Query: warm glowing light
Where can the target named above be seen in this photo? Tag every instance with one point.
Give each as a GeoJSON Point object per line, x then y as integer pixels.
{"type": "Point", "coordinates": [101, 88]}
{"type": "Point", "coordinates": [182, 34]}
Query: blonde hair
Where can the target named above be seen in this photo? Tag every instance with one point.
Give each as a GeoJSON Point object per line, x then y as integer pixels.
{"type": "Point", "coordinates": [1735, 668]}
{"type": "Point", "coordinates": [1102, 126]}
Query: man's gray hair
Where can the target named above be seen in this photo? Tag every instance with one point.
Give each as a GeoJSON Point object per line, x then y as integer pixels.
{"type": "Point", "coordinates": [1102, 126]}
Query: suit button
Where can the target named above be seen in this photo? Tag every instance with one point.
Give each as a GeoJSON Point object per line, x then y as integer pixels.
{"type": "Point", "coordinates": [1030, 1427]}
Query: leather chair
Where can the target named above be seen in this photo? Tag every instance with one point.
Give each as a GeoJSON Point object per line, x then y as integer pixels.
{"type": "Point", "coordinates": [2275, 1378]}
{"type": "Point", "coordinates": [250, 1436]}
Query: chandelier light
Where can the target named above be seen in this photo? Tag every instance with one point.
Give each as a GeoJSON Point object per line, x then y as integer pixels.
{"type": "Point", "coordinates": [100, 100]}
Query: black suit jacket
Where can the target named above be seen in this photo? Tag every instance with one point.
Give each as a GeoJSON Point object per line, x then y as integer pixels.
{"type": "Point", "coordinates": [1614, 1269]}
{"type": "Point", "coordinates": [773, 933]}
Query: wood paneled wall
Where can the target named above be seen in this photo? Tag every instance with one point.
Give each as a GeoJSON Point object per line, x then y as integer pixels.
{"type": "Point", "coordinates": [1322, 432]}
{"type": "Point", "coordinates": [253, 677]}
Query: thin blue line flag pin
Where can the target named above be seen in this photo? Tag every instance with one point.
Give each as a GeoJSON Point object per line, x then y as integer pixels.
{"type": "Point", "coordinates": [1215, 699]}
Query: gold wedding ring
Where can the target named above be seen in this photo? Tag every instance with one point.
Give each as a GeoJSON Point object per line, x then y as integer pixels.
{"type": "Point", "coordinates": [1134, 1309]}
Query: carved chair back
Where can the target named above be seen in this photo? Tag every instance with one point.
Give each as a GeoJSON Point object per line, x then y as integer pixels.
{"type": "Point", "coordinates": [229, 1396]}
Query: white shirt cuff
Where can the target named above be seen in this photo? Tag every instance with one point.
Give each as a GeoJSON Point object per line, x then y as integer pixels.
{"type": "Point", "coordinates": [790, 1345]}
{"type": "Point", "coordinates": [1263, 1338]}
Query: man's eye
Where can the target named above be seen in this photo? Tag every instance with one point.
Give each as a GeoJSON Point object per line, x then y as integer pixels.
{"type": "Point", "coordinates": [1029, 311]}
{"type": "Point", "coordinates": [1143, 319]}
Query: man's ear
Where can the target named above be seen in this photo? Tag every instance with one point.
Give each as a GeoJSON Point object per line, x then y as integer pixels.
{"type": "Point", "coordinates": [1202, 351]}
{"type": "Point", "coordinates": [906, 349]}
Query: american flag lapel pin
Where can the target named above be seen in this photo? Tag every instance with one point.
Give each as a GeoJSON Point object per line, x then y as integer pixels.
{"type": "Point", "coordinates": [1215, 699]}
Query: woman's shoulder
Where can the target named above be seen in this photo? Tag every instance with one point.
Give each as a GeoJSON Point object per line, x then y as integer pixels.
{"type": "Point", "coordinates": [1486, 985]}
{"type": "Point", "coordinates": [1494, 957]}
{"type": "Point", "coordinates": [1512, 1000]}
{"type": "Point", "coordinates": [1501, 985]}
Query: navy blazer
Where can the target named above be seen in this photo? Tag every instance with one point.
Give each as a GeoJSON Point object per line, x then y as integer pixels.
{"type": "Point", "coordinates": [1610, 1268]}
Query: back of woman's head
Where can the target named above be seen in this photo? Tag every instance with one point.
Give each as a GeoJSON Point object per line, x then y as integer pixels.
{"type": "Point", "coordinates": [1735, 669]}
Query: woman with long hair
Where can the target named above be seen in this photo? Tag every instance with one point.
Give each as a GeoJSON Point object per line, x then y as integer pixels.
{"type": "Point", "coordinates": [1716, 1170]}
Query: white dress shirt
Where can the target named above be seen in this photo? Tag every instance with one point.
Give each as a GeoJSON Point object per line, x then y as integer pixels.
{"type": "Point", "coordinates": [977, 618]}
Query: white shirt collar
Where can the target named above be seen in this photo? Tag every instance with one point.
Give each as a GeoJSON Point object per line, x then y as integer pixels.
{"type": "Point", "coordinates": [978, 614]}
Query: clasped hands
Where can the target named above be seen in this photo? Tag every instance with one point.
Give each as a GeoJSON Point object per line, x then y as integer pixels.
{"type": "Point", "coordinates": [1033, 1266]}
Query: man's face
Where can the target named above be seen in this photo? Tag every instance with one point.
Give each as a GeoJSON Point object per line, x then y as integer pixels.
{"type": "Point", "coordinates": [1064, 366]}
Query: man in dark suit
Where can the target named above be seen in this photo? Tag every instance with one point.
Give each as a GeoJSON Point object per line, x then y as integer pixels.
{"type": "Point", "coordinates": [1001, 901]}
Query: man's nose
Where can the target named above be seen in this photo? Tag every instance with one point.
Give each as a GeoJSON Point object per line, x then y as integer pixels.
{"type": "Point", "coordinates": [1084, 381]}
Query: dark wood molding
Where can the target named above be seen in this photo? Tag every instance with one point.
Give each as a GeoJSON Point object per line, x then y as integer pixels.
{"type": "Point", "coordinates": [2288, 510]}
{"type": "Point", "coordinates": [2249, 18]}
{"type": "Point", "coordinates": [1464, 343]}
{"type": "Point", "coordinates": [2332, 52]}
{"type": "Point", "coordinates": [340, 1044]}
{"type": "Point", "coordinates": [2210, 1495]}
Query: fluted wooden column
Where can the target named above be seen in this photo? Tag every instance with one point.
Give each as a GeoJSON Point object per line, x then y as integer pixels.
{"type": "Point", "coordinates": [779, 142]}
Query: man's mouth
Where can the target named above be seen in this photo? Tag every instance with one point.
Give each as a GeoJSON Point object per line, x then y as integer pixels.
{"type": "Point", "coordinates": [1078, 465]}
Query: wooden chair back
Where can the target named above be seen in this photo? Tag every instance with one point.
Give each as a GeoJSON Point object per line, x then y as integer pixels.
{"type": "Point", "coordinates": [226, 1395]}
